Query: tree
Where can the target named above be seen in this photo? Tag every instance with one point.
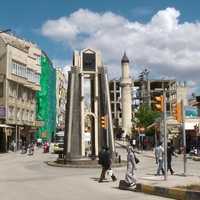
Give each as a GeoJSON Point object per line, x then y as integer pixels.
{"type": "Point", "coordinates": [146, 116]}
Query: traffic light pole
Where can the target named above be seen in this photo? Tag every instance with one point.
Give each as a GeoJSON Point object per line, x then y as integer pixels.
{"type": "Point", "coordinates": [184, 138]}
{"type": "Point", "coordinates": [165, 134]}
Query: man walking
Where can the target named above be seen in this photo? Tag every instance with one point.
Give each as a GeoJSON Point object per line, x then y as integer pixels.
{"type": "Point", "coordinates": [159, 153]}
{"type": "Point", "coordinates": [106, 162]}
{"type": "Point", "coordinates": [170, 153]}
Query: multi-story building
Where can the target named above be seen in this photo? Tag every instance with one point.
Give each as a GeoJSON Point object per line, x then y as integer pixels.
{"type": "Point", "coordinates": [145, 92]}
{"type": "Point", "coordinates": [61, 91]}
{"type": "Point", "coordinates": [116, 103]}
{"type": "Point", "coordinates": [19, 81]}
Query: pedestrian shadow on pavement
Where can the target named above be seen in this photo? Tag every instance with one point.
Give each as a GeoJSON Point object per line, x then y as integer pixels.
{"type": "Point", "coordinates": [130, 189]}
{"type": "Point", "coordinates": [151, 174]}
{"type": "Point", "coordinates": [183, 175]}
{"type": "Point", "coordinates": [97, 179]}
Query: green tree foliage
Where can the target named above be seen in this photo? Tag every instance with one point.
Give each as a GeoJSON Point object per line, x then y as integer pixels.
{"type": "Point", "coordinates": [146, 116]}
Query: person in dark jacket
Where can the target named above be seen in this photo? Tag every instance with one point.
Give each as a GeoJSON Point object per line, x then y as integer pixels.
{"type": "Point", "coordinates": [105, 161]}
{"type": "Point", "coordinates": [170, 153]}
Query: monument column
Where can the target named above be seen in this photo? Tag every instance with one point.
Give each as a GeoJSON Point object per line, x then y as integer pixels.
{"type": "Point", "coordinates": [126, 85]}
{"type": "Point", "coordinates": [96, 114]}
{"type": "Point", "coordinates": [82, 116]}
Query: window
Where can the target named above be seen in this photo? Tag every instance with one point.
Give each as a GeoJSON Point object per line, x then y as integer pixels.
{"type": "Point", "coordinates": [27, 73]}
{"type": "Point", "coordinates": [38, 60]}
{"type": "Point", "coordinates": [118, 86]}
{"type": "Point", "coordinates": [24, 95]}
{"type": "Point", "coordinates": [118, 106]}
{"type": "Point", "coordinates": [23, 114]}
{"type": "Point", "coordinates": [12, 89]}
{"type": "Point", "coordinates": [32, 116]}
{"type": "Point", "coordinates": [18, 114]}
{"type": "Point", "coordinates": [10, 112]}
{"type": "Point", "coordinates": [1, 89]}
{"type": "Point", "coordinates": [27, 115]}
{"type": "Point", "coordinates": [20, 89]}
{"type": "Point", "coordinates": [18, 69]}
{"type": "Point", "coordinates": [111, 85]}
{"type": "Point", "coordinates": [37, 78]}
{"type": "Point", "coordinates": [112, 106]}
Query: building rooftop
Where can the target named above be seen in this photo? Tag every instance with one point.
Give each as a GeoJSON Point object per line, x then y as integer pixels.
{"type": "Point", "coordinates": [17, 42]}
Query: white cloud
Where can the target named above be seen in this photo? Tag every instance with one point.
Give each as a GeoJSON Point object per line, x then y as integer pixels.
{"type": "Point", "coordinates": [164, 45]}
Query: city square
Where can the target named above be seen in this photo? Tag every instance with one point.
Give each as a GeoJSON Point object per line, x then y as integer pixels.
{"type": "Point", "coordinates": [99, 99]}
{"type": "Point", "coordinates": [30, 177]}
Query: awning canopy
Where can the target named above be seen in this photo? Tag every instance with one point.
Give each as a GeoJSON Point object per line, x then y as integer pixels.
{"type": "Point", "coordinates": [5, 126]}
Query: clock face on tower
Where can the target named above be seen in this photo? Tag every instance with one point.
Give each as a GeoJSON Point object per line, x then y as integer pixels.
{"type": "Point", "coordinates": [89, 62]}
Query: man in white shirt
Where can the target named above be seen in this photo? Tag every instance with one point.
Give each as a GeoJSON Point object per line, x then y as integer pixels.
{"type": "Point", "coordinates": [159, 153]}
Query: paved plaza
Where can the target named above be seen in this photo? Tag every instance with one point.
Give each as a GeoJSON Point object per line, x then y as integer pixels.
{"type": "Point", "coordinates": [29, 177]}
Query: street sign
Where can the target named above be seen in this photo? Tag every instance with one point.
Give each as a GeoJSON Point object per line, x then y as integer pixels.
{"type": "Point", "coordinates": [191, 111]}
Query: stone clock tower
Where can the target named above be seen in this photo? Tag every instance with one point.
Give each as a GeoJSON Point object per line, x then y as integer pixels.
{"type": "Point", "coordinates": [87, 67]}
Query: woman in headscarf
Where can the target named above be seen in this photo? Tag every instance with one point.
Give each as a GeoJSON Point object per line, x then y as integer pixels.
{"type": "Point", "coordinates": [130, 178]}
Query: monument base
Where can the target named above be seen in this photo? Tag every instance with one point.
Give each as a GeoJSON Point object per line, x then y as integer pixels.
{"type": "Point", "coordinates": [82, 163]}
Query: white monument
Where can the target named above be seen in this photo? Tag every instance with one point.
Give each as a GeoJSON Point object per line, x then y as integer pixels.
{"type": "Point", "coordinates": [126, 85]}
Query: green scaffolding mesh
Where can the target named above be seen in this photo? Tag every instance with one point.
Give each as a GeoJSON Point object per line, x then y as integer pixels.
{"type": "Point", "coordinates": [46, 100]}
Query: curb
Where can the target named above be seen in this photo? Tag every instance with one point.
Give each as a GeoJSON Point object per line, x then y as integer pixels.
{"type": "Point", "coordinates": [195, 158]}
{"type": "Point", "coordinates": [174, 193]}
{"type": "Point", "coordinates": [55, 164]}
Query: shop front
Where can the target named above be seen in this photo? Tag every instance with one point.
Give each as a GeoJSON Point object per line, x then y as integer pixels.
{"type": "Point", "coordinates": [5, 138]}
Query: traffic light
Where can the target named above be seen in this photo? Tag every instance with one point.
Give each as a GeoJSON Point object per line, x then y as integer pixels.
{"type": "Point", "coordinates": [177, 111]}
{"type": "Point", "coordinates": [159, 106]}
{"type": "Point", "coordinates": [104, 122]}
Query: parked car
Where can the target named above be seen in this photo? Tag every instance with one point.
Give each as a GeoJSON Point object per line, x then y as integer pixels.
{"type": "Point", "coordinates": [59, 142]}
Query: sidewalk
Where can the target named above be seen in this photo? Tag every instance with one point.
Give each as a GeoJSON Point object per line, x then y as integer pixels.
{"type": "Point", "coordinates": [156, 185]}
{"type": "Point", "coordinates": [170, 188]}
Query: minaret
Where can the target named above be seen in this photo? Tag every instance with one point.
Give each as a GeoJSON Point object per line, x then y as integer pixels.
{"type": "Point", "coordinates": [126, 85]}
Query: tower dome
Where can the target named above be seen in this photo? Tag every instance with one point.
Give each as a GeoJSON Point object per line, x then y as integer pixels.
{"type": "Point", "coordinates": [125, 58]}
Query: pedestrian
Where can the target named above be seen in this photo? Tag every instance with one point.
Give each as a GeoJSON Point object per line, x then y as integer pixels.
{"type": "Point", "coordinates": [130, 178]}
{"type": "Point", "coordinates": [106, 163]}
{"type": "Point", "coordinates": [159, 154]}
{"type": "Point", "coordinates": [170, 153]}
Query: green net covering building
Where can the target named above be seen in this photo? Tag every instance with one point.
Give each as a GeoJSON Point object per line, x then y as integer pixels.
{"type": "Point", "coordinates": [46, 100]}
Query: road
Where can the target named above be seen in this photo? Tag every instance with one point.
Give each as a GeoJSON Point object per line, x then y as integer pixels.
{"type": "Point", "coordinates": [29, 177]}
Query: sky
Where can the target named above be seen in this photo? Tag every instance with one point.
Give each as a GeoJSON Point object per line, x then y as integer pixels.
{"type": "Point", "coordinates": [160, 35]}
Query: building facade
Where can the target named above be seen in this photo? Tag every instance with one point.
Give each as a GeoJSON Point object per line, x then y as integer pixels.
{"type": "Point", "coordinates": [20, 72]}
{"type": "Point", "coordinates": [61, 91]}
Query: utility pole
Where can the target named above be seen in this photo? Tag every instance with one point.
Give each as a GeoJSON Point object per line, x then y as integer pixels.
{"type": "Point", "coordinates": [165, 134]}
{"type": "Point", "coordinates": [184, 137]}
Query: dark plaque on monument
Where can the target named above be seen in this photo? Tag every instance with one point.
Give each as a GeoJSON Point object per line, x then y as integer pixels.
{"type": "Point", "coordinates": [89, 62]}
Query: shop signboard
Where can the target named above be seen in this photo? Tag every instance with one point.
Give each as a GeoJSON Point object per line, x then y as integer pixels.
{"type": "Point", "coordinates": [191, 112]}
